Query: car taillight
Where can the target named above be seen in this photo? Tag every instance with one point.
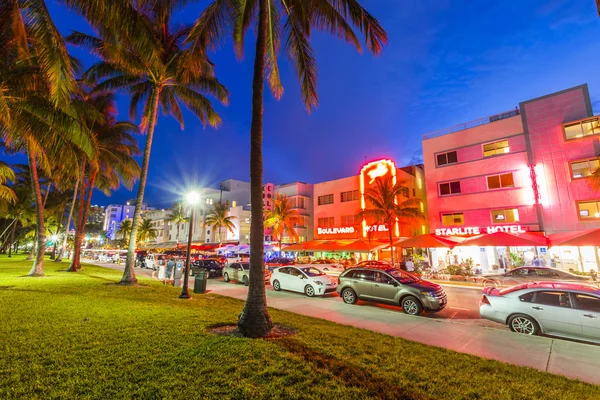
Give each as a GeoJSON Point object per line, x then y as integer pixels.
{"type": "Point", "coordinates": [484, 300]}
{"type": "Point", "coordinates": [339, 282]}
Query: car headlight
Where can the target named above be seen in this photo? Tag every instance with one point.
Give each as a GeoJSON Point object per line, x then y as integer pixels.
{"type": "Point", "coordinates": [319, 283]}
{"type": "Point", "coordinates": [429, 294]}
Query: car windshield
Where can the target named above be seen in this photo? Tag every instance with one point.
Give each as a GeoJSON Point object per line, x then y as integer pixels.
{"type": "Point", "coordinates": [245, 265]}
{"type": "Point", "coordinates": [402, 276]}
{"type": "Point", "coordinates": [311, 271]}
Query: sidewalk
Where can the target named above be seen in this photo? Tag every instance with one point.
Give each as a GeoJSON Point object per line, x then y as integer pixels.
{"type": "Point", "coordinates": [571, 359]}
{"type": "Point", "coordinates": [557, 356]}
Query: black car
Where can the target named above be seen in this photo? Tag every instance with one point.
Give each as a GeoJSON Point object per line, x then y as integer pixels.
{"type": "Point", "coordinates": [214, 267]}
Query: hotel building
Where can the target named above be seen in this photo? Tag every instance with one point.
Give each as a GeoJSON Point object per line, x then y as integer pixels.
{"type": "Point", "coordinates": [521, 170]}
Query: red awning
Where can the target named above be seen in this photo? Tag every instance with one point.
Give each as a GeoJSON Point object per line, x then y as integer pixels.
{"type": "Point", "coordinates": [363, 246]}
{"type": "Point", "coordinates": [302, 246]}
{"type": "Point", "coordinates": [584, 238]}
{"type": "Point", "coordinates": [329, 245]}
{"type": "Point", "coordinates": [426, 241]}
{"type": "Point", "coordinates": [506, 239]}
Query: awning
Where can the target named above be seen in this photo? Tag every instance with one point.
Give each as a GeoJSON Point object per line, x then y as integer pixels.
{"type": "Point", "coordinates": [506, 239]}
{"type": "Point", "coordinates": [426, 241]}
{"type": "Point", "coordinates": [330, 245]}
{"type": "Point", "coordinates": [363, 246]}
{"type": "Point", "coordinates": [584, 238]}
{"type": "Point", "coordinates": [302, 246]}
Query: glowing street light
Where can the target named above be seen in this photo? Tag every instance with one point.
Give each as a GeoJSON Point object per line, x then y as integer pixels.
{"type": "Point", "coordinates": [192, 198]}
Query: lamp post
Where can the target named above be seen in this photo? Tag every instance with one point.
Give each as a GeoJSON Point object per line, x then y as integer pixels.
{"type": "Point", "coordinates": [192, 199]}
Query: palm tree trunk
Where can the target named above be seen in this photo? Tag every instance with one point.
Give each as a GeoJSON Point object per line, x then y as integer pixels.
{"type": "Point", "coordinates": [12, 239]}
{"type": "Point", "coordinates": [79, 227]}
{"type": "Point", "coordinates": [129, 273]}
{"type": "Point", "coordinates": [64, 244]}
{"type": "Point", "coordinates": [255, 321]}
{"type": "Point", "coordinates": [177, 238]}
{"type": "Point", "coordinates": [33, 247]}
{"type": "Point", "coordinates": [47, 193]}
{"type": "Point", "coordinates": [38, 264]}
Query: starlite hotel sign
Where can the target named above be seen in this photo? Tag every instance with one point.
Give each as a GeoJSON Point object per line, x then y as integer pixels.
{"type": "Point", "coordinates": [478, 231]}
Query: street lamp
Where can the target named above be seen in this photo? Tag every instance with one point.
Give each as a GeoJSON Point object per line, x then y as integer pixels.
{"type": "Point", "coordinates": [192, 198]}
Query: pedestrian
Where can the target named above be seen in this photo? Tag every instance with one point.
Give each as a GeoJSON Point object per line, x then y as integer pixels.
{"type": "Point", "coordinates": [162, 273]}
{"type": "Point", "coordinates": [171, 266]}
{"type": "Point", "coordinates": [410, 266]}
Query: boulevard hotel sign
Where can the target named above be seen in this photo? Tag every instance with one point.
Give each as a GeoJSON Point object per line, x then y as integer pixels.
{"type": "Point", "coordinates": [478, 231]}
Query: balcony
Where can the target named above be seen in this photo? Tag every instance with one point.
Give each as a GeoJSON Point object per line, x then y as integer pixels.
{"type": "Point", "coordinates": [472, 124]}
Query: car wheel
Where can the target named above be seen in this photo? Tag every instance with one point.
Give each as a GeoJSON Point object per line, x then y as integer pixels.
{"type": "Point", "coordinates": [523, 324]}
{"type": "Point", "coordinates": [226, 277]}
{"type": "Point", "coordinates": [349, 296]}
{"type": "Point", "coordinates": [490, 283]}
{"type": "Point", "coordinates": [276, 285]}
{"type": "Point", "coordinates": [309, 290]}
{"type": "Point", "coordinates": [411, 306]}
{"type": "Point", "coordinates": [245, 280]}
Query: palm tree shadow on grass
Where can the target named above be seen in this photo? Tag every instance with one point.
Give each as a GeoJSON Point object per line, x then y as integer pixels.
{"type": "Point", "coordinates": [349, 375]}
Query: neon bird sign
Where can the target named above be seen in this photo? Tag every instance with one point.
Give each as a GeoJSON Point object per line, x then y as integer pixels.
{"type": "Point", "coordinates": [368, 173]}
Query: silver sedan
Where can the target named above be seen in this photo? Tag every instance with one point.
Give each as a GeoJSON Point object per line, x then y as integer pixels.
{"type": "Point", "coordinates": [568, 310]}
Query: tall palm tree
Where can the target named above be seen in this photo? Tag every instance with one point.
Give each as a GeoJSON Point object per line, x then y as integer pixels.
{"type": "Point", "coordinates": [217, 218]}
{"type": "Point", "coordinates": [178, 217]}
{"type": "Point", "coordinates": [7, 194]}
{"type": "Point", "coordinates": [154, 67]}
{"type": "Point", "coordinates": [594, 179]}
{"type": "Point", "coordinates": [113, 163]}
{"type": "Point", "coordinates": [278, 21]}
{"type": "Point", "coordinates": [282, 218]}
{"type": "Point", "coordinates": [146, 231]}
{"type": "Point", "coordinates": [384, 208]}
{"type": "Point", "coordinates": [124, 230]}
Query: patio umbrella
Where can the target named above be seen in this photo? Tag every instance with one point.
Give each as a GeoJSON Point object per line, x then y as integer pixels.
{"type": "Point", "coordinates": [330, 245]}
{"type": "Point", "coordinates": [363, 246]}
{"type": "Point", "coordinates": [584, 238]}
{"type": "Point", "coordinates": [505, 239]}
{"type": "Point", "coordinates": [426, 241]}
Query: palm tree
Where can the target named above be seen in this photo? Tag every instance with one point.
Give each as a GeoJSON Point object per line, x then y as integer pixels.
{"type": "Point", "coordinates": [152, 65]}
{"type": "Point", "coordinates": [282, 218]}
{"type": "Point", "coordinates": [218, 218]}
{"type": "Point", "coordinates": [37, 115]}
{"type": "Point", "coordinates": [383, 206]}
{"type": "Point", "coordinates": [146, 231]}
{"type": "Point", "coordinates": [594, 179]}
{"type": "Point", "coordinates": [113, 163]}
{"type": "Point", "coordinates": [7, 195]}
{"type": "Point", "coordinates": [124, 230]}
{"type": "Point", "coordinates": [278, 21]}
{"type": "Point", "coordinates": [178, 216]}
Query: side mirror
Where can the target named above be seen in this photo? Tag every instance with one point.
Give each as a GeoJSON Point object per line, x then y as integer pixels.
{"type": "Point", "coordinates": [395, 284]}
{"type": "Point", "coordinates": [301, 276]}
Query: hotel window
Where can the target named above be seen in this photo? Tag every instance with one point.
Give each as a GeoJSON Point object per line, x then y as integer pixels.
{"type": "Point", "coordinates": [500, 181]}
{"type": "Point", "coordinates": [447, 158]}
{"type": "Point", "coordinates": [581, 129]}
{"type": "Point", "coordinates": [589, 209]}
{"type": "Point", "coordinates": [325, 222]}
{"type": "Point", "coordinates": [351, 195]}
{"type": "Point", "coordinates": [496, 148]}
{"type": "Point", "coordinates": [327, 199]}
{"type": "Point", "coordinates": [453, 219]}
{"type": "Point", "coordinates": [505, 216]}
{"type": "Point", "coordinates": [301, 222]}
{"type": "Point", "coordinates": [347, 220]}
{"type": "Point", "coordinates": [449, 188]}
{"type": "Point", "coordinates": [581, 169]}
{"type": "Point", "coordinates": [300, 202]}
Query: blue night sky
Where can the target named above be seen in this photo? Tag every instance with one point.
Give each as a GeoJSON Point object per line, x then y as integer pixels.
{"type": "Point", "coordinates": [447, 62]}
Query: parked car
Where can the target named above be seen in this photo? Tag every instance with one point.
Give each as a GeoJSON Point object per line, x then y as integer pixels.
{"type": "Point", "coordinates": [329, 267]}
{"type": "Point", "coordinates": [391, 286]}
{"type": "Point", "coordinates": [307, 280]}
{"type": "Point", "coordinates": [569, 310]}
{"type": "Point", "coordinates": [241, 272]}
{"type": "Point", "coordinates": [153, 261]}
{"type": "Point", "coordinates": [532, 274]}
{"type": "Point", "coordinates": [212, 265]}
{"type": "Point", "coordinates": [278, 262]}
{"type": "Point", "coordinates": [374, 264]}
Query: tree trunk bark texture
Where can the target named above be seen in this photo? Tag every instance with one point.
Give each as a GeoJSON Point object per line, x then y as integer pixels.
{"type": "Point", "coordinates": [38, 264]}
{"type": "Point", "coordinates": [255, 321]}
{"type": "Point", "coordinates": [12, 239]}
{"type": "Point", "coordinates": [64, 244]}
{"type": "Point", "coordinates": [129, 272]}
{"type": "Point", "coordinates": [75, 258]}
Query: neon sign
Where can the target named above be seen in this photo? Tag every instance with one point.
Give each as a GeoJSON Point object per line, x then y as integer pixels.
{"type": "Point", "coordinates": [477, 231]}
{"type": "Point", "coordinates": [350, 229]}
{"type": "Point", "coordinates": [368, 173]}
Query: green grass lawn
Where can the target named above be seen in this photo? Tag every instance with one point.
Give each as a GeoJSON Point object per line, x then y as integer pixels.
{"type": "Point", "coordinates": [77, 335]}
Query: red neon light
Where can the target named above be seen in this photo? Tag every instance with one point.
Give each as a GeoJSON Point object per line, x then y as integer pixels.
{"type": "Point", "coordinates": [375, 170]}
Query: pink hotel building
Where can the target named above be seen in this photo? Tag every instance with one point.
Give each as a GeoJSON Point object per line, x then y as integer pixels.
{"type": "Point", "coordinates": [522, 170]}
